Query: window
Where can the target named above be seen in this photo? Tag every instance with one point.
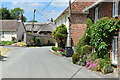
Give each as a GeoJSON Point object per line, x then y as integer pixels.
{"type": "Point", "coordinates": [45, 33]}
{"type": "Point", "coordinates": [115, 8]}
{"type": "Point", "coordinates": [96, 13]}
{"type": "Point", "coordinates": [115, 50]}
{"type": "Point", "coordinates": [2, 34]}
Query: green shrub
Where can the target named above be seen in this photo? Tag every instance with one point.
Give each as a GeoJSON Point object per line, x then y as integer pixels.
{"type": "Point", "coordinates": [54, 49]}
{"type": "Point", "coordinates": [8, 42]}
{"type": "Point", "coordinates": [75, 58]}
{"type": "Point", "coordinates": [105, 66]}
{"type": "Point", "coordinates": [32, 42]}
{"type": "Point", "coordinates": [37, 41]}
{"type": "Point", "coordinates": [94, 56]}
{"type": "Point", "coordinates": [86, 50]}
{"type": "Point", "coordinates": [63, 53]}
{"type": "Point", "coordinates": [81, 43]}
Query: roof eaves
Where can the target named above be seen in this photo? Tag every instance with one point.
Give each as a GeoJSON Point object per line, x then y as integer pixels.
{"type": "Point", "coordinates": [93, 5]}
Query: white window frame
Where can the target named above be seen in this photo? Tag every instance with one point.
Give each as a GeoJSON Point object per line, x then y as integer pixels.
{"type": "Point", "coordinates": [115, 8]}
{"type": "Point", "coordinates": [2, 34]}
{"type": "Point", "coordinates": [96, 13]}
{"type": "Point", "coordinates": [115, 50]}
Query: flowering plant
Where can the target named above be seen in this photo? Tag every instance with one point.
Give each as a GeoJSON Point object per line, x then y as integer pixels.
{"type": "Point", "coordinates": [61, 50]}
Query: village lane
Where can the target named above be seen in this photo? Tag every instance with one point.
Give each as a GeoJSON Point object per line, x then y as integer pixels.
{"type": "Point", "coordinates": [41, 63]}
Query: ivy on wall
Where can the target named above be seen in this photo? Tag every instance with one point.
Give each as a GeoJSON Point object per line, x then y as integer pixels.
{"type": "Point", "coordinates": [101, 35]}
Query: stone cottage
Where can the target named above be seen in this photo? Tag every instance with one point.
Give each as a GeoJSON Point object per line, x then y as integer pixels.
{"type": "Point", "coordinates": [12, 30]}
{"type": "Point", "coordinates": [42, 30]}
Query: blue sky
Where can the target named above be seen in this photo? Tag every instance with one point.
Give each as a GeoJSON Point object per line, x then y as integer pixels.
{"type": "Point", "coordinates": [52, 11]}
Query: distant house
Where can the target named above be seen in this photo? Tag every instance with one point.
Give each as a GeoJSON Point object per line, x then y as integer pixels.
{"type": "Point", "coordinates": [42, 30]}
{"type": "Point", "coordinates": [108, 9]}
{"type": "Point", "coordinates": [78, 19]}
{"type": "Point", "coordinates": [12, 30]}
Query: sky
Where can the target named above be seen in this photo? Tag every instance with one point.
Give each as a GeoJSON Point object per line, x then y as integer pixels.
{"type": "Point", "coordinates": [43, 11]}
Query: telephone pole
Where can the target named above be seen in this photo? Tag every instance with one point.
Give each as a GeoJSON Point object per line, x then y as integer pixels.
{"type": "Point", "coordinates": [69, 51]}
{"type": "Point", "coordinates": [33, 21]}
{"type": "Point", "coordinates": [69, 30]}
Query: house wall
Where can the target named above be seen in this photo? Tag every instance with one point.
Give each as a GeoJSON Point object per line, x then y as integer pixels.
{"type": "Point", "coordinates": [106, 10]}
{"type": "Point", "coordinates": [78, 27]}
{"type": "Point", "coordinates": [44, 39]}
{"type": "Point", "coordinates": [119, 51]}
{"type": "Point", "coordinates": [63, 20]}
{"type": "Point", "coordinates": [119, 44]}
{"type": "Point", "coordinates": [8, 35]}
{"type": "Point", "coordinates": [20, 32]}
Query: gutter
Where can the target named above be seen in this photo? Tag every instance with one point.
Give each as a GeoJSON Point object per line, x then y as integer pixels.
{"type": "Point", "coordinates": [93, 5]}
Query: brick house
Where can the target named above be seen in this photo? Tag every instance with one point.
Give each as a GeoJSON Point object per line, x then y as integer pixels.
{"type": "Point", "coordinates": [108, 9]}
{"type": "Point", "coordinates": [78, 19]}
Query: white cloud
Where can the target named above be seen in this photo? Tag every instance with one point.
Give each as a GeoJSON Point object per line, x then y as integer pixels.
{"type": "Point", "coordinates": [61, 3]}
{"type": "Point", "coordinates": [49, 14]}
{"type": "Point", "coordinates": [27, 6]}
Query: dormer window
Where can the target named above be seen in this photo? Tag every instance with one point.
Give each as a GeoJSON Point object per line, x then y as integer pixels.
{"type": "Point", "coordinates": [115, 8]}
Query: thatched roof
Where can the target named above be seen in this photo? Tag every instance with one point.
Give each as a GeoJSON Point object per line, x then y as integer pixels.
{"type": "Point", "coordinates": [9, 25]}
{"type": "Point", "coordinates": [40, 26]}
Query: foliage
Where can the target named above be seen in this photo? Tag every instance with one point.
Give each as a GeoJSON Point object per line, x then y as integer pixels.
{"type": "Point", "coordinates": [63, 53]}
{"type": "Point", "coordinates": [85, 50]}
{"type": "Point", "coordinates": [89, 24]}
{"type": "Point", "coordinates": [85, 39]}
{"type": "Point", "coordinates": [37, 41]}
{"type": "Point", "coordinates": [75, 58]}
{"type": "Point", "coordinates": [81, 43]}
{"type": "Point", "coordinates": [60, 34]}
{"type": "Point", "coordinates": [105, 66]}
{"type": "Point", "coordinates": [54, 49]}
{"type": "Point", "coordinates": [8, 42]}
{"type": "Point", "coordinates": [102, 34]}
{"type": "Point", "coordinates": [12, 14]}
{"type": "Point", "coordinates": [32, 21]}
{"type": "Point", "coordinates": [83, 60]}
{"type": "Point", "coordinates": [5, 13]}
{"type": "Point", "coordinates": [16, 12]}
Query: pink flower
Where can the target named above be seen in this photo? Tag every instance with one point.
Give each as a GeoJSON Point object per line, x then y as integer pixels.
{"type": "Point", "coordinates": [90, 67]}
{"type": "Point", "coordinates": [88, 63]}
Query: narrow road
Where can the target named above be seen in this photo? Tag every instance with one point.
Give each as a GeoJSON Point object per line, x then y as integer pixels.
{"type": "Point", "coordinates": [41, 63]}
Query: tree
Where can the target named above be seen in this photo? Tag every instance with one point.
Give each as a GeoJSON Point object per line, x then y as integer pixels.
{"type": "Point", "coordinates": [60, 34]}
{"type": "Point", "coordinates": [5, 13]}
{"type": "Point", "coordinates": [16, 12]}
{"type": "Point", "coordinates": [32, 21]}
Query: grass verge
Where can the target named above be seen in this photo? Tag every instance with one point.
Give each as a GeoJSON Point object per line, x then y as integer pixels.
{"type": "Point", "coordinates": [4, 51]}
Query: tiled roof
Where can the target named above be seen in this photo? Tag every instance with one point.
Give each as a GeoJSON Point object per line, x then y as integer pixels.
{"type": "Point", "coordinates": [77, 7]}
{"type": "Point", "coordinates": [40, 26]}
{"type": "Point", "coordinates": [9, 25]}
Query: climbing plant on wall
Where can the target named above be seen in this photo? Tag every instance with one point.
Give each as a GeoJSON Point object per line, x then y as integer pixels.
{"type": "Point", "coordinates": [102, 33]}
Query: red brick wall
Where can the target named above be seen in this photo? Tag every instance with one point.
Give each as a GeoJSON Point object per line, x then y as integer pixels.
{"type": "Point", "coordinates": [119, 43]}
{"type": "Point", "coordinates": [105, 10]}
{"type": "Point", "coordinates": [119, 52]}
{"type": "Point", "coordinates": [119, 10]}
{"type": "Point", "coordinates": [78, 27]}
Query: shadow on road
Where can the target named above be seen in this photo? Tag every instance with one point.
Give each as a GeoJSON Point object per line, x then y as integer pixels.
{"type": "Point", "coordinates": [2, 58]}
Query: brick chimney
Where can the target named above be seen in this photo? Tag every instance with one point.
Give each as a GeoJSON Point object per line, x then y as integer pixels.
{"type": "Point", "coordinates": [51, 20]}
{"type": "Point", "coordinates": [20, 18]}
